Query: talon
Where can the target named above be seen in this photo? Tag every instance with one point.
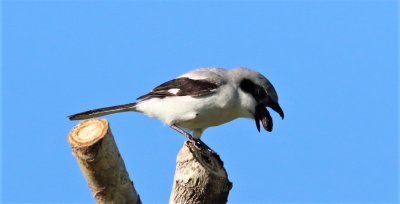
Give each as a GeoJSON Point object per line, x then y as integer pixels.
{"type": "Point", "coordinates": [199, 144]}
{"type": "Point", "coordinates": [196, 143]}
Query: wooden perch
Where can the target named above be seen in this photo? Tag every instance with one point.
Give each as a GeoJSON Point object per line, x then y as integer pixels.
{"type": "Point", "coordinates": [200, 177]}
{"type": "Point", "coordinates": [101, 163]}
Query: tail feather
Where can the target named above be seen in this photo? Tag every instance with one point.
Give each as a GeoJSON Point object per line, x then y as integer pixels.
{"type": "Point", "coordinates": [103, 111]}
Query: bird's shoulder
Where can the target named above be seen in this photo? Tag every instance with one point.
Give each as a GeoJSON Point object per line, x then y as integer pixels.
{"type": "Point", "coordinates": [196, 83]}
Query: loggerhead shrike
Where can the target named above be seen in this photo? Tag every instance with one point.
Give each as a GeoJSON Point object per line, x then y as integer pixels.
{"type": "Point", "coordinates": [203, 98]}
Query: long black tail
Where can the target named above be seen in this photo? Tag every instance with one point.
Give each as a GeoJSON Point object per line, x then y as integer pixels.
{"type": "Point", "coordinates": [103, 111]}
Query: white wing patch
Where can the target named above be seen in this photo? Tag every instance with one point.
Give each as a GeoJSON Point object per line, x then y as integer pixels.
{"type": "Point", "coordinates": [173, 91]}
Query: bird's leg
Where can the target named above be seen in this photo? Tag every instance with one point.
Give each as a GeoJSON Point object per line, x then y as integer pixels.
{"type": "Point", "coordinates": [196, 141]}
{"type": "Point", "coordinates": [184, 133]}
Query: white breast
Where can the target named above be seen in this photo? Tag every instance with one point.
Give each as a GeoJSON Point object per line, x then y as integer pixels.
{"type": "Point", "coordinates": [194, 112]}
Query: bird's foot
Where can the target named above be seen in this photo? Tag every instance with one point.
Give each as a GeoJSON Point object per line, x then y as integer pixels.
{"type": "Point", "coordinates": [199, 144]}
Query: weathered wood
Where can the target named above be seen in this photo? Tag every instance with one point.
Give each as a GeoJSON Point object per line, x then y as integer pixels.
{"type": "Point", "coordinates": [200, 177]}
{"type": "Point", "coordinates": [98, 157]}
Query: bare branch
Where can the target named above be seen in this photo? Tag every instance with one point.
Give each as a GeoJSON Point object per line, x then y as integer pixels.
{"type": "Point", "coordinates": [98, 157]}
{"type": "Point", "coordinates": [200, 177]}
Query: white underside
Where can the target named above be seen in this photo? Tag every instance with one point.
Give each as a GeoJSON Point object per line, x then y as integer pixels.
{"type": "Point", "coordinates": [198, 113]}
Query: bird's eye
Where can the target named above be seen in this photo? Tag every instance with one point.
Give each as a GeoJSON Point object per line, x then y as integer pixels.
{"type": "Point", "coordinates": [261, 93]}
{"type": "Point", "coordinates": [255, 90]}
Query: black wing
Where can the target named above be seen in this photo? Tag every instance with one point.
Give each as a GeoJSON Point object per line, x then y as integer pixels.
{"type": "Point", "coordinates": [181, 87]}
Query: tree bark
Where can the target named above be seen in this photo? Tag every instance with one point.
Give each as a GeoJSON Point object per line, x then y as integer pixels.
{"type": "Point", "coordinates": [98, 157]}
{"type": "Point", "coordinates": [200, 177]}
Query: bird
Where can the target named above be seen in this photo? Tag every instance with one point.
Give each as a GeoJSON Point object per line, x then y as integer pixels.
{"type": "Point", "coordinates": [203, 98]}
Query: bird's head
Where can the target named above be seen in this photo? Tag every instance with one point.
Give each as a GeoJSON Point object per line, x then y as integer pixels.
{"type": "Point", "coordinates": [261, 91]}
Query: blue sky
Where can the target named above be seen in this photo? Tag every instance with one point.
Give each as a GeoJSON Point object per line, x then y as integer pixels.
{"type": "Point", "coordinates": [334, 65]}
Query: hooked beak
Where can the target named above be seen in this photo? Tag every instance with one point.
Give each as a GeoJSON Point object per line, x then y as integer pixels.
{"type": "Point", "coordinates": [275, 106]}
